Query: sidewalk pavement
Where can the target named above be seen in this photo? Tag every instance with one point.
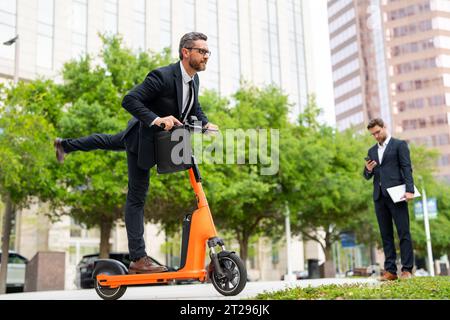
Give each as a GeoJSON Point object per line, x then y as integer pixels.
{"type": "Point", "coordinates": [204, 291]}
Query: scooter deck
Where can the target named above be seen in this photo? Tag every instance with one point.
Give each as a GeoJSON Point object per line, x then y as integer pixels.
{"type": "Point", "coordinates": [114, 281]}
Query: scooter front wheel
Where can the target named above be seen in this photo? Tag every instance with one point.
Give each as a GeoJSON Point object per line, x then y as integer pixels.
{"type": "Point", "coordinates": [235, 275]}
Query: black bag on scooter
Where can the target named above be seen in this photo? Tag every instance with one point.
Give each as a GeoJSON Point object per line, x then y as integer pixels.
{"type": "Point", "coordinates": [173, 150]}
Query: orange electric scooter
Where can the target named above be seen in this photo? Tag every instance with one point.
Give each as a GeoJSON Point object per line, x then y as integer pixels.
{"type": "Point", "coordinates": [226, 270]}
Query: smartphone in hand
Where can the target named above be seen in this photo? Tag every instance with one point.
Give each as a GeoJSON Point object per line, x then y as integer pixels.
{"type": "Point", "coordinates": [367, 159]}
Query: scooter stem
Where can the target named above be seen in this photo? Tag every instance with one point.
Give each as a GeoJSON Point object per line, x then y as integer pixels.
{"type": "Point", "coordinates": [198, 189]}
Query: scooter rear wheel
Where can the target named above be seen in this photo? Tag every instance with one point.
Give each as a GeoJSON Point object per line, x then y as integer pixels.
{"type": "Point", "coordinates": [107, 293]}
{"type": "Point", "coordinates": [235, 277]}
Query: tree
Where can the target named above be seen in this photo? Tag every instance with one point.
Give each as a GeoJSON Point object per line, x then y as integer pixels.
{"type": "Point", "coordinates": [25, 146]}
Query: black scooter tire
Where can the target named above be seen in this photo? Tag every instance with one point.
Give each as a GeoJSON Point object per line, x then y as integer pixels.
{"type": "Point", "coordinates": [231, 264]}
{"type": "Point", "coordinates": [107, 293]}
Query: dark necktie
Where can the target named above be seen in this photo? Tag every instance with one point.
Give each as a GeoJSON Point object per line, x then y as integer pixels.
{"type": "Point", "coordinates": [189, 101]}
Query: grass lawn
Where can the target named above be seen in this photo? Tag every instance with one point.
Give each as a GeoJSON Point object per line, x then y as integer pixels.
{"type": "Point", "coordinates": [436, 288]}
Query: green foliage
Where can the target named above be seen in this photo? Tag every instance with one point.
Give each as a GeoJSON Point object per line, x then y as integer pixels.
{"type": "Point", "coordinates": [38, 97]}
{"type": "Point", "coordinates": [428, 288]}
{"type": "Point", "coordinates": [25, 146]}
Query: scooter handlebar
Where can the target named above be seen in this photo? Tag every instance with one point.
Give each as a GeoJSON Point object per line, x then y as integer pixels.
{"type": "Point", "coordinates": [190, 127]}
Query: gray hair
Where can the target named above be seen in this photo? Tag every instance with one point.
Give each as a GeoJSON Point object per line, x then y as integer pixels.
{"type": "Point", "coordinates": [188, 39]}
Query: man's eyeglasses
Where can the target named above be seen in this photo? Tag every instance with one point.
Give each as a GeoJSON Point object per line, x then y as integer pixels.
{"type": "Point", "coordinates": [203, 52]}
{"type": "Point", "coordinates": [376, 133]}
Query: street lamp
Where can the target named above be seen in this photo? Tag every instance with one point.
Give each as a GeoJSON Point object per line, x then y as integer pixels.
{"type": "Point", "coordinates": [289, 275]}
{"type": "Point", "coordinates": [10, 42]}
{"type": "Point", "coordinates": [427, 228]}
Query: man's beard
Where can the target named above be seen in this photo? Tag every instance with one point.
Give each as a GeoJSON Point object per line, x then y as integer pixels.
{"type": "Point", "coordinates": [197, 66]}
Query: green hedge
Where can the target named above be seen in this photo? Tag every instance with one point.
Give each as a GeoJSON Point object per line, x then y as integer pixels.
{"type": "Point", "coordinates": [436, 288]}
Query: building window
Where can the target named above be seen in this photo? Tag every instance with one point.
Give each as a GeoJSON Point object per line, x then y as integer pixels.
{"type": "Point", "coordinates": [415, 65]}
{"type": "Point", "coordinates": [421, 123]}
{"type": "Point", "coordinates": [111, 17]}
{"type": "Point", "coordinates": [419, 84]}
{"type": "Point", "coordinates": [274, 50]}
{"type": "Point", "coordinates": [352, 120]}
{"type": "Point", "coordinates": [412, 47]}
{"type": "Point", "coordinates": [346, 70]}
{"type": "Point", "coordinates": [165, 39]}
{"type": "Point", "coordinates": [349, 104]}
{"type": "Point", "coordinates": [270, 47]}
{"type": "Point", "coordinates": [213, 44]}
{"type": "Point", "coordinates": [79, 27]}
{"type": "Point", "coordinates": [414, 104]}
{"type": "Point", "coordinates": [297, 55]}
{"type": "Point", "coordinates": [8, 11]}
{"type": "Point", "coordinates": [412, 28]}
{"type": "Point", "coordinates": [338, 6]}
{"type": "Point", "coordinates": [235, 50]}
{"type": "Point", "coordinates": [436, 101]}
{"type": "Point", "coordinates": [189, 15]}
{"type": "Point", "coordinates": [347, 87]}
{"type": "Point", "coordinates": [139, 21]}
{"type": "Point", "coordinates": [408, 11]}
{"type": "Point", "coordinates": [346, 52]}
{"type": "Point", "coordinates": [343, 19]}
{"type": "Point", "coordinates": [444, 160]}
{"type": "Point", "coordinates": [45, 29]}
{"type": "Point", "coordinates": [343, 37]}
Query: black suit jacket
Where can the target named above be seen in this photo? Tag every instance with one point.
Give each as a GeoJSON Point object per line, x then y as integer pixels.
{"type": "Point", "coordinates": [160, 95]}
{"type": "Point", "coordinates": [394, 170]}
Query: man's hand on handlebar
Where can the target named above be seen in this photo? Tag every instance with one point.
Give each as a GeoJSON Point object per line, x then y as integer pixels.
{"type": "Point", "coordinates": [167, 123]}
{"type": "Point", "coordinates": [211, 127]}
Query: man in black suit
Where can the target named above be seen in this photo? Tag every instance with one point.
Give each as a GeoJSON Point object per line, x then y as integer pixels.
{"type": "Point", "coordinates": [389, 164]}
{"type": "Point", "coordinates": [168, 95]}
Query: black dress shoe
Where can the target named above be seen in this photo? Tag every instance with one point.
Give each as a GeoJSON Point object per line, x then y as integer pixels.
{"type": "Point", "coordinates": [60, 154]}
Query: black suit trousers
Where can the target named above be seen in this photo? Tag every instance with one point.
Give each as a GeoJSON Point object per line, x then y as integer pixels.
{"type": "Point", "coordinates": [138, 185]}
{"type": "Point", "coordinates": [96, 141]}
{"type": "Point", "coordinates": [388, 211]}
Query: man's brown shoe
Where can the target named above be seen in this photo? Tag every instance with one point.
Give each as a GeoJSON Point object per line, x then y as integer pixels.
{"type": "Point", "coordinates": [406, 275]}
{"type": "Point", "coordinates": [145, 265]}
{"type": "Point", "coordinates": [59, 150]}
{"type": "Point", "coordinates": [387, 276]}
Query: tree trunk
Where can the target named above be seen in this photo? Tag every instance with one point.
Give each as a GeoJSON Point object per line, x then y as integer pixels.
{"type": "Point", "coordinates": [328, 247]}
{"type": "Point", "coordinates": [328, 269]}
{"type": "Point", "coordinates": [373, 254]}
{"type": "Point", "coordinates": [6, 232]}
{"type": "Point", "coordinates": [243, 248]}
{"type": "Point", "coordinates": [328, 251]}
{"type": "Point", "coordinates": [105, 233]}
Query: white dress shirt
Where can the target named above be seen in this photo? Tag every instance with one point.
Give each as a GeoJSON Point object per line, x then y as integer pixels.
{"type": "Point", "coordinates": [382, 148]}
{"type": "Point", "coordinates": [186, 78]}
